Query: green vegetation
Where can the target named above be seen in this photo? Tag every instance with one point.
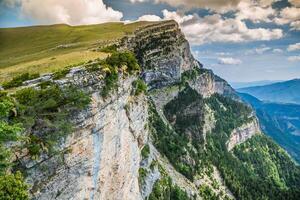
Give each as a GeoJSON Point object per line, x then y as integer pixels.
{"type": "Point", "coordinates": [110, 81]}
{"type": "Point", "coordinates": [36, 119]}
{"type": "Point", "coordinates": [145, 151]}
{"type": "Point", "coordinates": [121, 59]}
{"type": "Point", "coordinates": [186, 115]}
{"type": "Point", "coordinates": [168, 142]}
{"type": "Point", "coordinates": [13, 187]}
{"type": "Point", "coordinates": [259, 169]}
{"type": "Point", "coordinates": [164, 189]}
{"type": "Point", "coordinates": [139, 87]}
{"type": "Point", "coordinates": [109, 49]}
{"type": "Point", "coordinates": [18, 80]}
{"type": "Point", "coordinates": [142, 175]}
{"type": "Point", "coordinates": [44, 49]}
{"type": "Point", "coordinates": [246, 180]}
{"type": "Point", "coordinates": [45, 114]}
{"type": "Point", "coordinates": [61, 73]}
{"type": "Point", "coordinates": [118, 61]}
{"type": "Point", "coordinates": [207, 193]}
{"type": "Point", "coordinates": [190, 74]}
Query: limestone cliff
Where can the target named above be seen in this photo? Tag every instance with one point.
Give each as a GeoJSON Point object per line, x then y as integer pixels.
{"type": "Point", "coordinates": [113, 153]}
{"type": "Point", "coordinates": [243, 133]}
{"type": "Point", "coordinates": [163, 52]}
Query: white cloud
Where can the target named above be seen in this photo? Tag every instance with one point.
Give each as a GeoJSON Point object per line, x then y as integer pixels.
{"type": "Point", "coordinates": [294, 47]}
{"type": "Point", "coordinates": [294, 58]}
{"type": "Point", "coordinates": [223, 54]}
{"type": "Point", "coordinates": [261, 50]}
{"type": "Point", "coordinates": [215, 28]}
{"type": "Point", "coordinates": [149, 18]}
{"type": "Point", "coordinates": [254, 12]}
{"type": "Point", "coordinates": [134, 1]}
{"type": "Point", "coordinates": [73, 12]}
{"type": "Point", "coordinates": [277, 50]}
{"type": "Point", "coordinates": [295, 25]}
{"type": "Point", "coordinates": [229, 61]}
{"type": "Point", "coordinates": [215, 5]}
{"type": "Point", "coordinates": [288, 15]}
{"type": "Point", "coordinates": [177, 17]}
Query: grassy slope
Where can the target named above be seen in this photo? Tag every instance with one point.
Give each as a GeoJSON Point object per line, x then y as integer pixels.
{"type": "Point", "coordinates": [39, 48]}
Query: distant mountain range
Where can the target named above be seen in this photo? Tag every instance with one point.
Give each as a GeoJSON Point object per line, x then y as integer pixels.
{"type": "Point", "coordinates": [282, 92]}
{"type": "Point", "coordinates": [238, 85]}
{"type": "Point", "coordinates": [280, 121]}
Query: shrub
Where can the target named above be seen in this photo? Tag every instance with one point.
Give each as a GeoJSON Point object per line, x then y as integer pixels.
{"type": "Point", "coordinates": [119, 59]}
{"type": "Point", "coordinates": [13, 187]}
{"type": "Point", "coordinates": [145, 151]}
{"type": "Point", "coordinates": [61, 73]}
{"type": "Point", "coordinates": [142, 175]}
{"type": "Point", "coordinates": [139, 87]}
{"type": "Point", "coordinates": [5, 160]}
{"type": "Point", "coordinates": [18, 80]}
{"type": "Point", "coordinates": [109, 49]}
{"type": "Point", "coordinates": [45, 114]}
{"type": "Point", "coordinates": [45, 84]}
{"type": "Point", "coordinates": [110, 81]}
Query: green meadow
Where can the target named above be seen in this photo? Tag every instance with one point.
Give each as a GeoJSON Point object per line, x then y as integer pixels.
{"type": "Point", "coordinates": [43, 49]}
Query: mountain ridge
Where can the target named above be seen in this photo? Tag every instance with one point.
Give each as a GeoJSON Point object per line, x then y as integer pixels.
{"type": "Point", "coordinates": [280, 121]}
{"type": "Point", "coordinates": [188, 136]}
{"type": "Point", "coordinates": [282, 92]}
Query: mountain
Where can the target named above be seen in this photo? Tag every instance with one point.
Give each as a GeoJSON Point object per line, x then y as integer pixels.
{"type": "Point", "coordinates": [238, 85]}
{"type": "Point", "coordinates": [146, 121]}
{"type": "Point", "coordinates": [280, 121]}
{"type": "Point", "coordinates": [283, 92]}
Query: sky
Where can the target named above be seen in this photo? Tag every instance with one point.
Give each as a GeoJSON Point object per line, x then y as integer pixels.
{"type": "Point", "coordinates": [240, 40]}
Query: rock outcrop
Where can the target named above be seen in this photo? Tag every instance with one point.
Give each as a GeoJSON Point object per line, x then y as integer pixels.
{"type": "Point", "coordinates": [243, 133]}
{"type": "Point", "coordinates": [102, 158]}
{"type": "Point", "coordinates": [163, 52]}
{"type": "Point", "coordinates": [207, 84]}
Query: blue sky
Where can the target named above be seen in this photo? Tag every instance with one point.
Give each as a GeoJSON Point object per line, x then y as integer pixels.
{"type": "Point", "coordinates": [241, 40]}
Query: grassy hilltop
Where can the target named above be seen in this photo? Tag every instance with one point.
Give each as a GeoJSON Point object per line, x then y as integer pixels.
{"type": "Point", "coordinates": [42, 49]}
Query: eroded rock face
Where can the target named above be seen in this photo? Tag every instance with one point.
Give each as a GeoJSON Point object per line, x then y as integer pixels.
{"type": "Point", "coordinates": [102, 157]}
{"type": "Point", "coordinates": [163, 52]}
{"type": "Point", "coordinates": [243, 133]}
{"type": "Point", "coordinates": [207, 84]}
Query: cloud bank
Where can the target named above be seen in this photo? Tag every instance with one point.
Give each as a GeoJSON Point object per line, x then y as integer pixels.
{"type": "Point", "coordinates": [215, 28]}
{"type": "Point", "coordinates": [73, 12]}
{"type": "Point", "coordinates": [294, 58]}
{"type": "Point", "coordinates": [229, 61]}
{"type": "Point", "coordinates": [294, 47]}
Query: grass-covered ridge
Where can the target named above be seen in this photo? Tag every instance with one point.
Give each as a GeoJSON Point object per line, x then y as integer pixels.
{"type": "Point", "coordinates": [42, 49]}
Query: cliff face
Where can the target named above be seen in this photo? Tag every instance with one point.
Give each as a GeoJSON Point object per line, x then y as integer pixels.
{"type": "Point", "coordinates": [163, 52]}
{"type": "Point", "coordinates": [103, 152]}
{"type": "Point", "coordinates": [243, 133]}
{"type": "Point", "coordinates": [113, 152]}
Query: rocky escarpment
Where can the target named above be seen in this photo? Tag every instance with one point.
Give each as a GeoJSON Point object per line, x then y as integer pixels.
{"type": "Point", "coordinates": [101, 159]}
{"type": "Point", "coordinates": [243, 133]}
{"type": "Point", "coordinates": [163, 52]}
{"type": "Point", "coordinates": [207, 84]}
{"type": "Point", "coordinates": [122, 144]}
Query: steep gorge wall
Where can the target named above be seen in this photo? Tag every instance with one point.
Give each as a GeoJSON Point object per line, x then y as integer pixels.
{"type": "Point", "coordinates": [102, 158]}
